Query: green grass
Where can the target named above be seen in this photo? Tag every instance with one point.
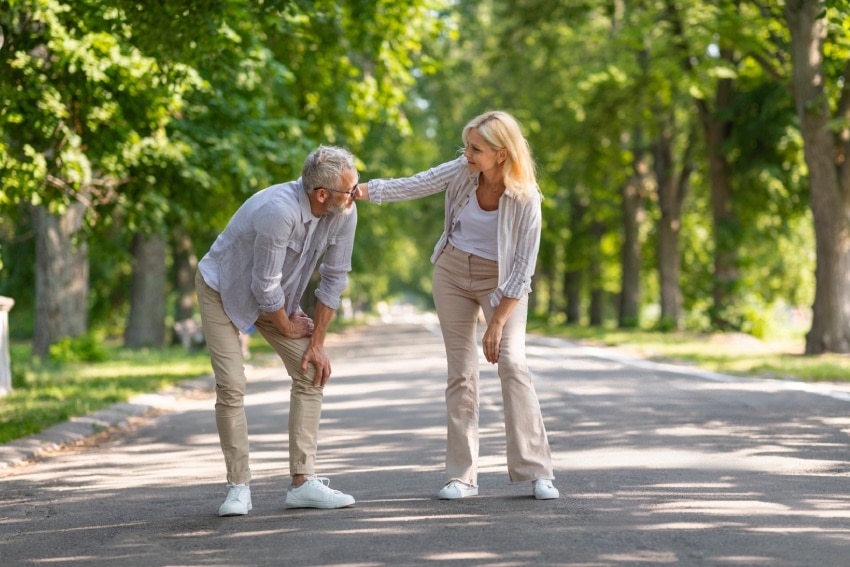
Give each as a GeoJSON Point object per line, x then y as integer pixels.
{"type": "Point", "coordinates": [45, 394]}
{"type": "Point", "coordinates": [733, 353]}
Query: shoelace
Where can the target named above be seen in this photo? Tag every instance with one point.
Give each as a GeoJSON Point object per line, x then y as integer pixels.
{"type": "Point", "coordinates": [236, 493]}
{"type": "Point", "coordinates": [324, 481]}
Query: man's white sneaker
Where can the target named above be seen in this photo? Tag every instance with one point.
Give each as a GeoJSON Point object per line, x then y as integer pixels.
{"type": "Point", "coordinates": [457, 489]}
{"type": "Point", "coordinates": [238, 501]}
{"type": "Point", "coordinates": [315, 493]}
{"type": "Point", "coordinates": [545, 490]}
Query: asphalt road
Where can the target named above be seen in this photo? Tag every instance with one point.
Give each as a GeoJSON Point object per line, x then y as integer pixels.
{"type": "Point", "coordinates": [656, 465]}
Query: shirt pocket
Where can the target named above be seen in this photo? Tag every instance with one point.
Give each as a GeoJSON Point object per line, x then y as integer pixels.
{"type": "Point", "coordinates": [293, 255]}
{"type": "Point", "coordinates": [317, 249]}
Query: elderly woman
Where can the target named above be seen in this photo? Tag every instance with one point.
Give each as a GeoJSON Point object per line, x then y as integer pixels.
{"type": "Point", "coordinates": [484, 260]}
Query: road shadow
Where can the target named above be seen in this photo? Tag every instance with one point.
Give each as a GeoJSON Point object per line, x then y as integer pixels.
{"type": "Point", "coordinates": [654, 469]}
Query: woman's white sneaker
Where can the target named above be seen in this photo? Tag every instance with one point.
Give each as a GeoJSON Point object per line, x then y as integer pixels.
{"type": "Point", "coordinates": [457, 489]}
{"type": "Point", "coordinates": [544, 489]}
{"type": "Point", "coordinates": [238, 501]}
{"type": "Point", "coordinates": [315, 493]}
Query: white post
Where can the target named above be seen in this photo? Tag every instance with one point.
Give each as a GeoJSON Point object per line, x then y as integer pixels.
{"type": "Point", "coordinates": [6, 304]}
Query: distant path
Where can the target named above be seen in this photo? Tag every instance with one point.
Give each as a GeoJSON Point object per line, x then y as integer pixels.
{"type": "Point", "coordinates": [655, 467]}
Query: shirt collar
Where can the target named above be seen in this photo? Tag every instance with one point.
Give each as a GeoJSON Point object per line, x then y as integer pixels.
{"type": "Point", "coordinates": [304, 201]}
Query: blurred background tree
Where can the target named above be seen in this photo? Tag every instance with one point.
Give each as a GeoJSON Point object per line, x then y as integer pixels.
{"type": "Point", "coordinates": [693, 164]}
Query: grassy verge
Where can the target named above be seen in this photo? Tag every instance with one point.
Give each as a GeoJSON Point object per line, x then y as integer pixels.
{"type": "Point", "coordinates": [733, 353]}
{"type": "Point", "coordinates": [45, 394]}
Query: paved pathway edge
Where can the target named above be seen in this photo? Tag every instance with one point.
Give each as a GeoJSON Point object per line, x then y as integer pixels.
{"type": "Point", "coordinates": [80, 428]}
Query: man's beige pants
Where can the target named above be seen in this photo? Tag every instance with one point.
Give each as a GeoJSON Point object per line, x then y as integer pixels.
{"type": "Point", "coordinates": [462, 285]}
{"type": "Point", "coordinates": [305, 400]}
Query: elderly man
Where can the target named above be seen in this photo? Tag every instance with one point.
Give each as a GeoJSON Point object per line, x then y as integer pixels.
{"type": "Point", "coordinates": [255, 274]}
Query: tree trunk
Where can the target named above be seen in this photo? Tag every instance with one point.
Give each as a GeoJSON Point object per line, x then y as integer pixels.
{"type": "Point", "coordinates": [596, 310]}
{"type": "Point", "coordinates": [185, 265]}
{"type": "Point", "coordinates": [830, 330]}
{"type": "Point", "coordinates": [717, 130]}
{"type": "Point", "coordinates": [726, 234]}
{"type": "Point", "coordinates": [146, 323]}
{"type": "Point", "coordinates": [576, 254]}
{"type": "Point", "coordinates": [62, 277]}
{"type": "Point", "coordinates": [628, 312]}
{"type": "Point", "coordinates": [672, 191]}
{"type": "Point", "coordinates": [572, 294]}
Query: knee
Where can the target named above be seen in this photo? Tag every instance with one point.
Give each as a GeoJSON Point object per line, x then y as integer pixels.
{"type": "Point", "coordinates": [513, 369]}
{"type": "Point", "coordinates": [230, 394]}
{"type": "Point", "coordinates": [302, 385]}
{"type": "Point", "coordinates": [464, 379]}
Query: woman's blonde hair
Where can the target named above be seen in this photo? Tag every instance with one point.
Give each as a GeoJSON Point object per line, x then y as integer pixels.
{"type": "Point", "coordinates": [502, 132]}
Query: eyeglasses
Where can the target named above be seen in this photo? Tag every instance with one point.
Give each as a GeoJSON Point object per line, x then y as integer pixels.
{"type": "Point", "coordinates": [349, 193]}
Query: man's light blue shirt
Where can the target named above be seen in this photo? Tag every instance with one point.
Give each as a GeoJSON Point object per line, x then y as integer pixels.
{"type": "Point", "coordinates": [264, 258]}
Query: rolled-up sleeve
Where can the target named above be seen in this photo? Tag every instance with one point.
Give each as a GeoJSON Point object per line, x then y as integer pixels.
{"type": "Point", "coordinates": [524, 241]}
{"type": "Point", "coordinates": [422, 184]}
{"type": "Point", "coordinates": [271, 242]}
{"type": "Point", "coordinates": [336, 263]}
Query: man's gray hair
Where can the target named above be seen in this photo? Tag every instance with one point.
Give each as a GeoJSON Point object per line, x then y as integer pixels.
{"type": "Point", "coordinates": [324, 167]}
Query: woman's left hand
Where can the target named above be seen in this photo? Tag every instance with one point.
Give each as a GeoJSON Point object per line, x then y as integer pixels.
{"type": "Point", "coordinates": [491, 342]}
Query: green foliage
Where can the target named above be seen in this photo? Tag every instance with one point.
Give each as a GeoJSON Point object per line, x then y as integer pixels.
{"type": "Point", "coordinates": [87, 348]}
{"type": "Point", "coordinates": [615, 71]}
{"type": "Point", "coordinates": [171, 117]}
{"type": "Point", "coordinates": [19, 376]}
{"type": "Point", "coordinates": [81, 103]}
{"type": "Point", "coordinates": [46, 393]}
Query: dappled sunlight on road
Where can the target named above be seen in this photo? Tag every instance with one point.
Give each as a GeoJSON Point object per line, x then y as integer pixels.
{"type": "Point", "coordinates": [651, 557]}
{"type": "Point", "coordinates": [653, 468]}
{"type": "Point", "coordinates": [670, 458]}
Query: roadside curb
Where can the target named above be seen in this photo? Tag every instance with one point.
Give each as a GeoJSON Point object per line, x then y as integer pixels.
{"type": "Point", "coordinates": [77, 429]}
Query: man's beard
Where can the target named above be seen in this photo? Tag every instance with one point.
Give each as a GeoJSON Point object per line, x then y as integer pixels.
{"type": "Point", "coordinates": [337, 209]}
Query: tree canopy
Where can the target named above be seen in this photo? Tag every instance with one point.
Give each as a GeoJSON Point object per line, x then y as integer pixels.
{"type": "Point", "coordinates": [685, 150]}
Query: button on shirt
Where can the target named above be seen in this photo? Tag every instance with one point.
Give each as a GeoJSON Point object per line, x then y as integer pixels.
{"type": "Point", "coordinates": [264, 258]}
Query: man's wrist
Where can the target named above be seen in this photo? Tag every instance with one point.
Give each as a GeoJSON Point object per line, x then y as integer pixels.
{"type": "Point", "coordinates": [287, 326]}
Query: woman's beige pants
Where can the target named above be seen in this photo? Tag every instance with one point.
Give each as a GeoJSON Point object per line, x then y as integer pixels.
{"type": "Point", "coordinates": [462, 284]}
